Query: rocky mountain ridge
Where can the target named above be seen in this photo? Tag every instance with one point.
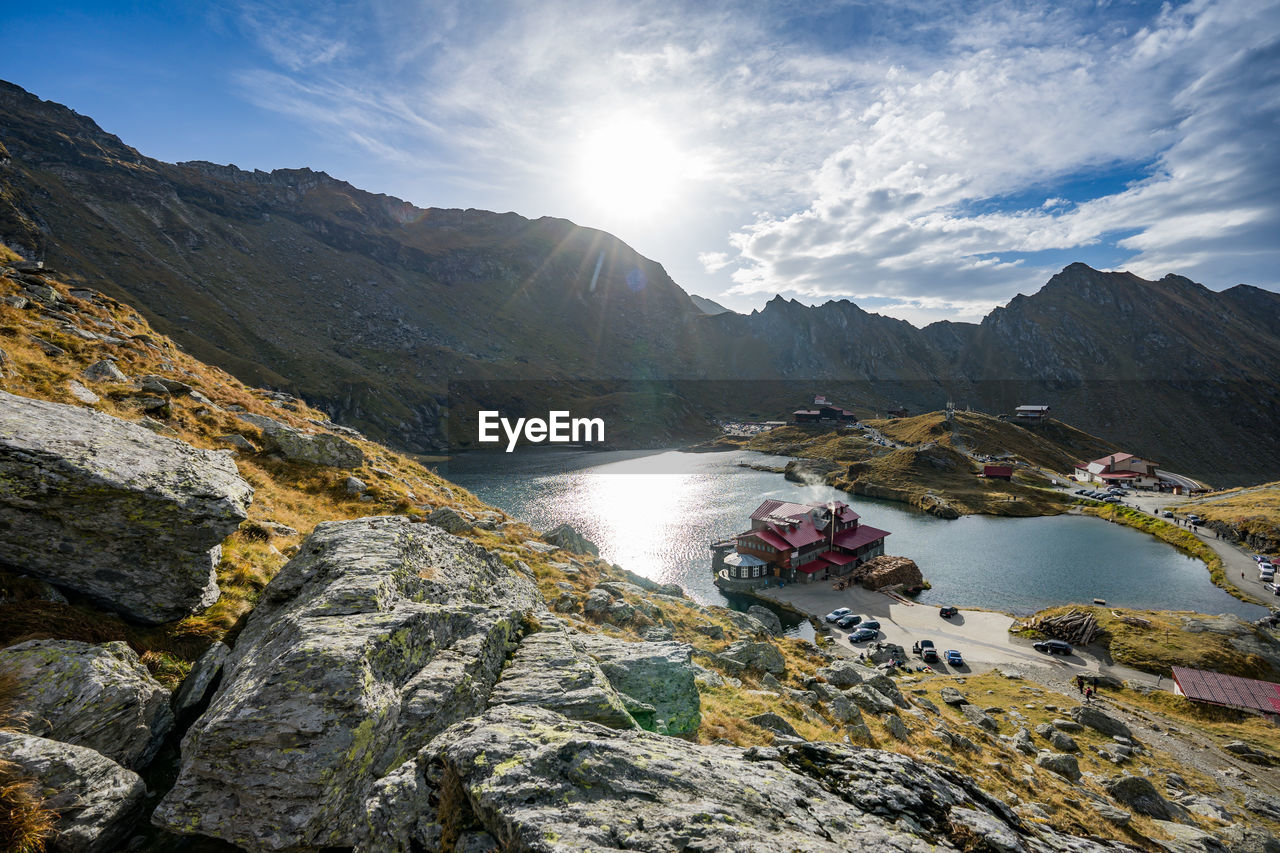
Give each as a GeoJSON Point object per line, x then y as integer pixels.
{"type": "Point", "coordinates": [370, 307]}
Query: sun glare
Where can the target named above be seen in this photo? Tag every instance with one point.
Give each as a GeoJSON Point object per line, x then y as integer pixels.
{"type": "Point", "coordinates": [630, 167]}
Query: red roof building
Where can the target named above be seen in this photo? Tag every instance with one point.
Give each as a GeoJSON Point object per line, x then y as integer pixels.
{"type": "Point", "coordinates": [1247, 694]}
{"type": "Point", "coordinates": [998, 472]}
{"type": "Point", "coordinates": [803, 542]}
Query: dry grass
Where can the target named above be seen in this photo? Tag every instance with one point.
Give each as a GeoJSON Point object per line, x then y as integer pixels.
{"type": "Point", "coordinates": [26, 824]}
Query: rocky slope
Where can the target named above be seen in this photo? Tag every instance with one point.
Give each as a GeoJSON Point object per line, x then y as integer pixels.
{"type": "Point", "coordinates": [426, 674]}
{"type": "Point", "coordinates": [370, 307]}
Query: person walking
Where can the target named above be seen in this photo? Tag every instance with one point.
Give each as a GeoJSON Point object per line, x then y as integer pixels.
{"type": "Point", "coordinates": [1080, 683]}
{"type": "Point", "coordinates": [1088, 695]}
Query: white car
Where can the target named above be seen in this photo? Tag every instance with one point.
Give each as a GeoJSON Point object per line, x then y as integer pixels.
{"type": "Point", "coordinates": [839, 613]}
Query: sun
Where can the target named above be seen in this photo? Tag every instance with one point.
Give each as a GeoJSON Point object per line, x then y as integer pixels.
{"type": "Point", "coordinates": [630, 167]}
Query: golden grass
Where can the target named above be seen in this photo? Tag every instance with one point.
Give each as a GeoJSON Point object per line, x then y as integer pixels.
{"type": "Point", "coordinates": [26, 824]}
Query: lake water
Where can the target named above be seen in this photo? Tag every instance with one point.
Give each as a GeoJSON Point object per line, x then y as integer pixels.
{"type": "Point", "coordinates": [655, 514]}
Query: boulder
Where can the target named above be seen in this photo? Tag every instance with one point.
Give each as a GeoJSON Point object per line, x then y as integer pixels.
{"type": "Point", "coordinates": [841, 708]}
{"type": "Point", "coordinates": [951, 696]}
{"type": "Point", "coordinates": [238, 441]}
{"type": "Point", "coordinates": [767, 618]}
{"type": "Point", "coordinates": [564, 536]}
{"type": "Point", "coordinates": [537, 781]}
{"type": "Point", "coordinates": [195, 687]}
{"type": "Point", "coordinates": [354, 486]}
{"type": "Point", "coordinates": [843, 672]}
{"type": "Point", "coordinates": [770, 721]}
{"type": "Point", "coordinates": [98, 697]}
{"type": "Point", "coordinates": [297, 446]}
{"type": "Point", "coordinates": [375, 638]}
{"type": "Point", "coordinates": [548, 671]}
{"type": "Point", "coordinates": [980, 718]}
{"type": "Point", "coordinates": [97, 801]}
{"type": "Point", "coordinates": [1087, 715]}
{"type": "Point", "coordinates": [1140, 796]}
{"type": "Point", "coordinates": [99, 505]}
{"type": "Point", "coordinates": [761, 657]}
{"type": "Point", "coordinates": [1063, 742]}
{"type": "Point", "coordinates": [81, 393]}
{"type": "Point", "coordinates": [660, 675]}
{"type": "Point", "coordinates": [1065, 766]}
{"type": "Point", "coordinates": [450, 520]}
{"type": "Point", "coordinates": [871, 700]}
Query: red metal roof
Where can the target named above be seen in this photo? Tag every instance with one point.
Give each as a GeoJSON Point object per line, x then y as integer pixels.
{"type": "Point", "coordinates": [863, 535]}
{"type": "Point", "coordinates": [1120, 475]}
{"type": "Point", "coordinates": [813, 566]}
{"type": "Point", "coordinates": [784, 509]}
{"type": "Point", "coordinates": [1109, 460]}
{"type": "Point", "coordinates": [836, 558]}
{"type": "Point", "coordinates": [768, 537]}
{"type": "Point", "coordinates": [997, 470]}
{"type": "Point", "coordinates": [1230, 690]}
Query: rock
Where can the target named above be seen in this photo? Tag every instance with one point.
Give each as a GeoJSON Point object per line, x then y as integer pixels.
{"type": "Point", "coordinates": [356, 486]}
{"type": "Point", "coordinates": [374, 639]}
{"type": "Point", "coordinates": [16, 301]}
{"type": "Point", "coordinates": [597, 603]}
{"type": "Point", "coordinates": [773, 723]}
{"type": "Point", "coordinates": [761, 657]}
{"type": "Point", "coordinates": [744, 622]}
{"type": "Point", "coordinates": [842, 672]}
{"type": "Point", "coordinates": [297, 446]}
{"type": "Point", "coordinates": [1263, 804]}
{"type": "Point", "coordinates": [1137, 793]}
{"type": "Point", "coordinates": [1023, 743]}
{"type": "Point", "coordinates": [153, 386]}
{"type": "Point", "coordinates": [660, 675]}
{"type": "Point", "coordinates": [238, 441]}
{"type": "Point", "coordinates": [871, 700]}
{"type": "Point", "coordinates": [1206, 806]}
{"type": "Point", "coordinates": [564, 536]}
{"type": "Point", "coordinates": [168, 385]}
{"type": "Point", "coordinates": [95, 504]}
{"type": "Point", "coordinates": [96, 800]}
{"type": "Point", "coordinates": [1065, 766]}
{"type": "Point", "coordinates": [838, 705]}
{"type": "Point", "coordinates": [1063, 742]}
{"type": "Point", "coordinates": [450, 520]}
{"type": "Point", "coordinates": [81, 393]}
{"type": "Point", "coordinates": [548, 671]}
{"type": "Point", "coordinates": [195, 687]}
{"type": "Point", "coordinates": [887, 687]}
{"type": "Point", "coordinates": [979, 718]}
{"type": "Point", "coordinates": [767, 618]}
{"type": "Point", "coordinates": [657, 634]}
{"type": "Point", "coordinates": [672, 589]}
{"type": "Point", "coordinates": [1111, 814]}
{"type": "Point", "coordinates": [710, 630]}
{"type": "Point", "coordinates": [619, 613]}
{"type": "Point", "coordinates": [1247, 839]}
{"type": "Point", "coordinates": [1247, 752]}
{"type": "Point", "coordinates": [884, 571]}
{"type": "Point", "coordinates": [896, 727]}
{"type": "Point", "coordinates": [537, 781]}
{"type": "Point", "coordinates": [928, 705]}
{"type": "Point", "coordinates": [1087, 715]}
{"type": "Point", "coordinates": [99, 697]}
{"type": "Point", "coordinates": [953, 697]}
{"type": "Point", "coordinates": [1067, 726]}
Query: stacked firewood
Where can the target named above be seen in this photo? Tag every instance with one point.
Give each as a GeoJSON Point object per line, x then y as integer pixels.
{"type": "Point", "coordinates": [1077, 627]}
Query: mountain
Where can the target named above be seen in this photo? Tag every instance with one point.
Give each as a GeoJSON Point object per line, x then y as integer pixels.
{"type": "Point", "coordinates": [708, 306]}
{"type": "Point", "coordinates": [374, 310]}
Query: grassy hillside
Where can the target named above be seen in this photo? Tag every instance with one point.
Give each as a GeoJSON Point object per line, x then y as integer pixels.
{"type": "Point", "coordinates": [1250, 515]}
{"type": "Point", "coordinates": [931, 470]}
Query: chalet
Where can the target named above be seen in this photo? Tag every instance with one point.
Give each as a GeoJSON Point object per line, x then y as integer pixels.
{"type": "Point", "coordinates": [1122, 469]}
{"type": "Point", "coordinates": [1030, 414]}
{"type": "Point", "coordinates": [823, 413]}
{"type": "Point", "coordinates": [806, 416]}
{"type": "Point", "coordinates": [997, 472]}
{"type": "Point", "coordinates": [797, 543]}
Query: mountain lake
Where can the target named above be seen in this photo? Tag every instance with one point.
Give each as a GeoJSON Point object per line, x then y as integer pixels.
{"type": "Point", "coordinates": [655, 513]}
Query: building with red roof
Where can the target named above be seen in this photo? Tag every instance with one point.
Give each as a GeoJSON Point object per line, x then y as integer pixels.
{"type": "Point", "coordinates": [997, 472]}
{"type": "Point", "coordinates": [1123, 469]}
{"type": "Point", "coordinates": [798, 543]}
{"type": "Point", "coordinates": [1231, 691]}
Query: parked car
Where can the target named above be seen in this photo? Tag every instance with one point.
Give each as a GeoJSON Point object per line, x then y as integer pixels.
{"type": "Point", "coordinates": [953, 658]}
{"type": "Point", "coordinates": [1053, 647]}
{"type": "Point", "coordinates": [838, 613]}
{"type": "Point", "coordinates": [862, 635]}
{"type": "Point", "coordinates": [1194, 519]}
{"type": "Point", "coordinates": [849, 621]}
{"type": "Point", "coordinates": [1082, 491]}
{"type": "Point", "coordinates": [925, 648]}
{"type": "Point", "coordinates": [1112, 499]}
{"type": "Point", "coordinates": [870, 624]}
{"type": "Point", "coordinates": [920, 645]}
{"type": "Point", "coordinates": [1167, 514]}
{"type": "Point", "coordinates": [948, 611]}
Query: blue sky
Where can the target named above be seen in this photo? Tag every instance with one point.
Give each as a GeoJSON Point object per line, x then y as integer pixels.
{"type": "Point", "coordinates": [926, 160]}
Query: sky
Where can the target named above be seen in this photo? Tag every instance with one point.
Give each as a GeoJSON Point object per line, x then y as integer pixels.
{"type": "Point", "coordinates": [925, 160]}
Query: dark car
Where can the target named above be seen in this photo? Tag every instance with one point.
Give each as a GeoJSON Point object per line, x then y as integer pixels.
{"type": "Point", "coordinates": [948, 612]}
{"type": "Point", "coordinates": [926, 650]}
{"type": "Point", "coordinates": [870, 624]}
{"type": "Point", "coordinates": [954, 658]}
{"type": "Point", "coordinates": [849, 621]}
{"type": "Point", "coordinates": [862, 635]}
{"type": "Point", "coordinates": [1053, 647]}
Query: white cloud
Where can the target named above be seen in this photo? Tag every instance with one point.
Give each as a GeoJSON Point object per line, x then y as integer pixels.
{"type": "Point", "coordinates": [859, 164]}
